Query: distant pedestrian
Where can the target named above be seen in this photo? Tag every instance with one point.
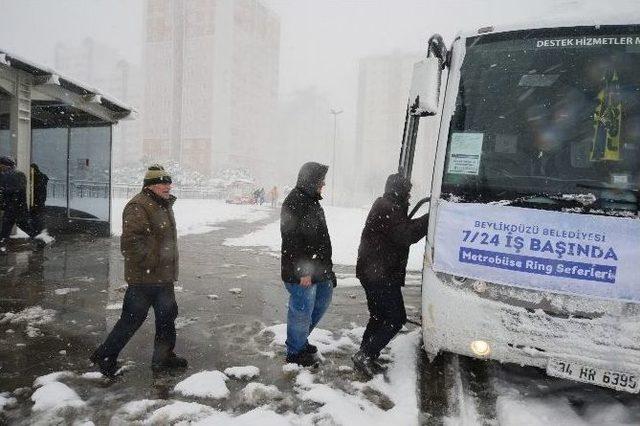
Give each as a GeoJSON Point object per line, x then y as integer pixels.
{"type": "Point", "coordinates": [13, 194]}
{"type": "Point", "coordinates": [38, 198]}
{"type": "Point", "coordinates": [273, 195]}
{"type": "Point", "coordinates": [149, 244]}
{"type": "Point", "coordinates": [381, 267]}
{"type": "Point", "coordinates": [307, 269]}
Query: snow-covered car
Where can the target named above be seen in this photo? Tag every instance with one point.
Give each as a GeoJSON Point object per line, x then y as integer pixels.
{"type": "Point", "coordinates": [241, 199]}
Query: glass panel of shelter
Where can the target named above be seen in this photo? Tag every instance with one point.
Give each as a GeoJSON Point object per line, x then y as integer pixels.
{"type": "Point", "coordinates": [76, 161]}
{"type": "Point", "coordinates": [89, 151]}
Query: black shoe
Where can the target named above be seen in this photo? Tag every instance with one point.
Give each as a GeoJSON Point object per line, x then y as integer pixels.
{"type": "Point", "coordinates": [172, 362]}
{"type": "Point", "coordinates": [37, 245]}
{"type": "Point", "coordinates": [304, 359]}
{"type": "Point", "coordinates": [366, 365]}
{"type": "Point", "coordinates": [108, 366]}
{"type": "Point", "coordinates": [310, 349]}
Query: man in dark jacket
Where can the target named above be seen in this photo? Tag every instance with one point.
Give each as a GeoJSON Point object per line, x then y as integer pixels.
{"type": "Point", "coordinates": [381, 267]}
{"type": "Point", "coordinates": [13, 193]}
{"type": "Point", "coordinates": [149, 244]}
{"type": "Point", "coordinates": [307, 269]}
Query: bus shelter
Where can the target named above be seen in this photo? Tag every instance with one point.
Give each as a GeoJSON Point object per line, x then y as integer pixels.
{"type": "Point", "coordinates": [65, 128]}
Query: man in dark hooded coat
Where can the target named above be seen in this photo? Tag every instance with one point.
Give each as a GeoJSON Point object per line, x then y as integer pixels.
{"type": "Point", "coordinates": [13, 192]}
{"type": "Point", "coordinates": [307, 269]}
{"type": "Point", "coordinates": [381, 267]}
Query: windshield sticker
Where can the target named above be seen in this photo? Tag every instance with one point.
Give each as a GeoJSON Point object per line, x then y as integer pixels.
{"type": "Point", "coordinates": [464, 157]}
{"type": "Point", "coordinates": [569, 253]}
{"type": "Point", "coordinates": [589, 42]}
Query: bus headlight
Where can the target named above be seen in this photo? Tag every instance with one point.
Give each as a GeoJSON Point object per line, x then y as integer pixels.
{"type": "Point", "coordinates": [480, 348]}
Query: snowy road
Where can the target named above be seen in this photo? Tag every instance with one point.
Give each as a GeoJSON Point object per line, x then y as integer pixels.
{"type": "Point", "coordinates": [57, 306]}
{"type": "Point", "coordinates": [458, 390]}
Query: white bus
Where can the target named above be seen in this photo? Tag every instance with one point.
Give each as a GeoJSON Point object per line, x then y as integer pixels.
{"type": "Point", "coordinates": [533, 250]}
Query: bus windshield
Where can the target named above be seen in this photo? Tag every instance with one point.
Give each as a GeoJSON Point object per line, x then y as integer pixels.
{"type": "Point", "coordinates": [548, 119]}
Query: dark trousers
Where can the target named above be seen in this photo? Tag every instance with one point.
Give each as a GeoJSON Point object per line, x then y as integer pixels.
{"type": "Point", "coordinates": [15, 216]}
{"type": "Point", "coordinates": [36, 215]}
{"type": "Point", "coordinates": [137, 300]}
{"type": "Point", "coordinates": [386, 317]}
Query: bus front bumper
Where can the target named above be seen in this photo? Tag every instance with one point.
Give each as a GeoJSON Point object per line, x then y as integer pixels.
{"type": "Point", "coordinates": [529, 327]}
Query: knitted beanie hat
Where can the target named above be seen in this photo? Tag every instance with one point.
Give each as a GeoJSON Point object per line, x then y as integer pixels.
{"type": "Point", "coordinates": [156, 174]}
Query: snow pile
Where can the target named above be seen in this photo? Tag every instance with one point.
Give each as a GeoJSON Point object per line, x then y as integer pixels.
{"type": "Point", "coordinates": [135, 410]}
{"type": "Point", "coordinates": [226, 179]}
{"type": "Point", "coordinates": [258, 416]}
{"type": "Point", "coordinates": [55, 396]}
{"type": "Point", "coordinates": [33, 331]}
{"type": "Point", "coordinates": [34, 315]}
{"type": "Point", "coordinates": [291, 368]}
{"type": "Point", "coordinates": [348, 280]}
{"type": "Point", "coordinates": [44, 236]}
{"type": "Point", "coordinates": [198, 216]}
{"type": "Point", "coordinates": [345, 226]}
{"type": "Point", "coordinates": [180, 411]}
{"type": "Point", "coordinates": [377, 402]}
{"type": "Point", "coordinates": [246, 372]}
{"type": "Point", "coordinates": [205, 384]}
{"type": "Point", "coordinates": [381, 401]}
{"type": "Point", "coordinates": [92, 375]}
{"type": "Point", "coordinates": [65, 291]}
{"type": "Point", "coordinates": [52, 377]}
{"type": "Point", "coordinates": [6, 401]}
{"type": "Point", "coordinates": [255, 394]}
{"type": "Point", "coordinates": [321, 338]}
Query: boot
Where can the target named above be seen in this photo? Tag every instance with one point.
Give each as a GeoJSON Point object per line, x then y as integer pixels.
{"type": "Point", "coordinates": [172, 362]}
{"type": "Point", "coordinates": [310, 349]}
{"type": "Point", "coordinates": [108, 366]}
{"type": "Point", "coordinates": [366, 365]}
{"type": "Point", "coordinates": [304, 359]}
{"type": "Point", "coordinates": [37, 245]}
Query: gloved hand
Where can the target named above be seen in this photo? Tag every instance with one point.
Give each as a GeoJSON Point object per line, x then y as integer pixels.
{"type": "Point", "coordinates": [334, 280]}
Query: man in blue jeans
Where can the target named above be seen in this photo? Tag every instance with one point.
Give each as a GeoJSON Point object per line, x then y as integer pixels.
{"type": "Point", "coordinates": [307, 269]}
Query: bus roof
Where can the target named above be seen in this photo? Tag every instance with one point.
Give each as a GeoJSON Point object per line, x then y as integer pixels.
{"type": "Point", "coordinates": [559, 22]}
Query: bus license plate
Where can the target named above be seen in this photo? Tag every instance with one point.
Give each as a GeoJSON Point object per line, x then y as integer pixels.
{"type": "Point", "coordinates": [627, 382]}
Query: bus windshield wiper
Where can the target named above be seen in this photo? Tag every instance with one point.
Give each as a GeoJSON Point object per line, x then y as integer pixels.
{"type": "Point", "coordinates": [555, 201]}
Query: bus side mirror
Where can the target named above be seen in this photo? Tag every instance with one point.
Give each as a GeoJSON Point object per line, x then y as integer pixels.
{"type": "Point", "coordinates": [425, 87]}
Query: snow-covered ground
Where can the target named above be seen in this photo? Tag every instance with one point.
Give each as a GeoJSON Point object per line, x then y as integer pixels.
{"type": "Point", "coordinates": [198, 216]}
{"type": "Point", "coordinates": [345, 226]}
{"type": "Point", "coordinates": [202, 216]}
{"type": "Point", "coordinates": [332, 400]}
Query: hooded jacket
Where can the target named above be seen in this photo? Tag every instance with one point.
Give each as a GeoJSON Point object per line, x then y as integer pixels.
{"type": "Point", "coordinates": [306, 245]}
{"type": "Point", "coordinates": [13, 189]}
{"type": "Point", "coordinates": [40, 181]}
{"type": "Point", "coordinates": [387, 235]}
{"type": "Point", "coordinates": [149, 241]}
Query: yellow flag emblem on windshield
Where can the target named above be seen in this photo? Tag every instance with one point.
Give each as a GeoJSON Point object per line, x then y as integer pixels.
{"type": "Point", "coordinates": [607, 120]}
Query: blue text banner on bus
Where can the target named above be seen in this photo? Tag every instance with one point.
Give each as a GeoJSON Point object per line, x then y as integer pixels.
{"type": "Point", "coordinates": [570, 253]}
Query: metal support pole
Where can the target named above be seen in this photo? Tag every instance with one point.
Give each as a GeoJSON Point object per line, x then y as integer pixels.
{"type": "Point", "coordinates": [333, 157]}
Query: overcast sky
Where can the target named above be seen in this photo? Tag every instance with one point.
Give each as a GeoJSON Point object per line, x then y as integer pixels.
{"type": "Point", "coordinates": [321, 41]}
